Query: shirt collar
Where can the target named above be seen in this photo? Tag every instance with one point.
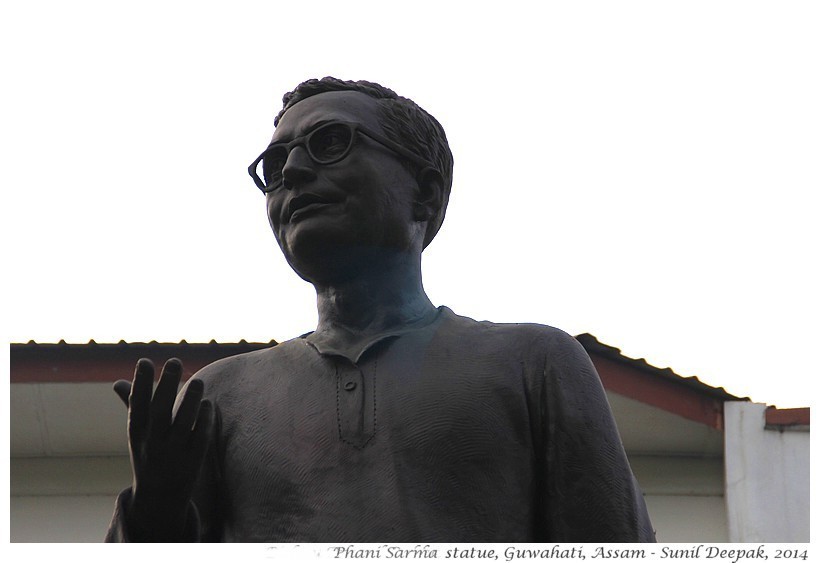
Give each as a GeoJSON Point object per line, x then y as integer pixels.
{"type": "Point", "coordinates": [355, 352]}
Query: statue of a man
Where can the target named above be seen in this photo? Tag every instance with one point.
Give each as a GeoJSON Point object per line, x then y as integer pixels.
{"type": "Point", "coordinates": [394, 420]}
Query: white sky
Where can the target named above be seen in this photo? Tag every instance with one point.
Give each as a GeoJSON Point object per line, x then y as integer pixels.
{"type": "Point", "coordinates": [643, 171]}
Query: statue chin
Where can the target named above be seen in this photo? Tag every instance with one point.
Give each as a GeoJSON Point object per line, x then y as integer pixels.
{"type": "Point", "coordinates": [318, 256]}
{"type": "Point", "coordinates": [333, 262]}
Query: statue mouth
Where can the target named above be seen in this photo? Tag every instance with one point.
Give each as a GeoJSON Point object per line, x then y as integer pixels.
{"type": "Point", "coordinates": [305, 204]}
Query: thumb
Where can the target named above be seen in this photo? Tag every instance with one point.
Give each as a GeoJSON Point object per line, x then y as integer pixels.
{"type": "Point", "coordinates": [123, 389]}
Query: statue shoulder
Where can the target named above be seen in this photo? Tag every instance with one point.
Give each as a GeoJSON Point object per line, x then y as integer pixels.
{"type": "Point", "coordinates": [538, 338]}
{"type": "Point", "coordinates": [227, 372]}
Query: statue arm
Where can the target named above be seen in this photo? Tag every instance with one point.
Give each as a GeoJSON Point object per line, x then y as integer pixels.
{"type": "Point", "coordinates": [589, 493]}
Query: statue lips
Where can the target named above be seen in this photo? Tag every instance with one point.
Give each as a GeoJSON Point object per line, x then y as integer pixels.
{"type": "Point", "coordinates": [305, 204]}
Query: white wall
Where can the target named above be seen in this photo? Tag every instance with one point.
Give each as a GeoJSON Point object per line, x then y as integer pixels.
{"type": "Point", "coordinates": [62, 519]}
{"type": "Point", "coordinates": [70, 499]}
{"type": "Point", "coordinates": [684, 496]}
{"type": "Point", "coordinates": [767, 478]}
{"type": "Point", "coordinates": [64, 499]}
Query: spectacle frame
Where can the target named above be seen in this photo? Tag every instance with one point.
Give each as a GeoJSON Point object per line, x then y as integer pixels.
{"type": "Point", "coordinates": [327, 144]}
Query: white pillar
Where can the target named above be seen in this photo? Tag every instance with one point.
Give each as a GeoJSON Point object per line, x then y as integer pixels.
{"type": "Point", "coordinates": [767, 477]}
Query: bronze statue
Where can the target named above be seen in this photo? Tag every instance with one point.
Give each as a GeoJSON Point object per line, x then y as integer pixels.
{"type": "Point", "coordinates": [394, 421]}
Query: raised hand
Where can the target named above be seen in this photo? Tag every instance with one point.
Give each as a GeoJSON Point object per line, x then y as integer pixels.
{"type": "Point", "coordinates": [167, 449]}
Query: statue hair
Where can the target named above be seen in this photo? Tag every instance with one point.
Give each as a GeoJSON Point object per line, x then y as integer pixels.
{"type": "Point", "coordinates": [403, 122]}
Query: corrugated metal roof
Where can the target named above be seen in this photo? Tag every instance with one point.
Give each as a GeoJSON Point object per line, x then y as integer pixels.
{"type": "Point", "coordinates": [64, 350]}
{"type": "Point", "coordinates": [593, 346]}
{"type": "Point", "coordinates": [229, 348]}
{"type": "Point", "coordinates": [33, 362]}
{"type": "Point", "coordinates": [243, 342]}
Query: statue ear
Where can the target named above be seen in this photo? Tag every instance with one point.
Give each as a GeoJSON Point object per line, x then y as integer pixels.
{"type": "Point", "coordinates": [430, 194]}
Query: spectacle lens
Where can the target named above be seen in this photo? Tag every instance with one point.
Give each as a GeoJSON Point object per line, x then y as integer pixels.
{"type": "Point", "coordinates": [329, 143]}
{"type": "Point", "coordinates": [272, 164]}
{"type": "Point", "coordinates": [325, 145]}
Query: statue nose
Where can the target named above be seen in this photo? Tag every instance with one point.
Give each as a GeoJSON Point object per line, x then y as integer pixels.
{"type": "Point", "coordinates": [298, 169]}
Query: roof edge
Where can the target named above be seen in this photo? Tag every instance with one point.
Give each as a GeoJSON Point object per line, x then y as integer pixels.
{"type": "Point", "coordinates": [593, 346]}
{"type": "Point", "coordinates": [788, 419]}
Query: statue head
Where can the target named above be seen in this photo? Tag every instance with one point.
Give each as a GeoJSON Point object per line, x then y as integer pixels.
{"type": "Point", "coordinates": [403, 123]}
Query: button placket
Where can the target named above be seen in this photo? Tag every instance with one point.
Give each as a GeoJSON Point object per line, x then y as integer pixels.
{"type": "Point", "coordinates": [355, 405]}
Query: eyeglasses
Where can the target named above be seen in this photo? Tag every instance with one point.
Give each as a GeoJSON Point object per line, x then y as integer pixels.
{"type": "Point", "coordinates": [327, 144]}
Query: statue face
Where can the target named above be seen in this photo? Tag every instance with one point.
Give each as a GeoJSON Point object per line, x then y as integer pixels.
{"type": "Point", "coordinates": [326, 216]}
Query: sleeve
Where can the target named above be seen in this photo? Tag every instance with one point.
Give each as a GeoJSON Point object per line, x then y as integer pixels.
{"type": "Point", "coordinates": [202, 521]}
{"type": "Point", "coordinates": [588, 492]}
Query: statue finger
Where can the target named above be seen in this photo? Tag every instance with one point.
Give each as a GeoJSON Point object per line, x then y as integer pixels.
{"type": "Point", "coordinates": [122, 388]}
{"type": "Point", "coordinates": [139, 399]}
{"type": "Point", "coordinates": [188, 409]}
{"type": "Point", "coordinates": [203, 428]}
{"type": "Point", "coordinates": [164, 396]}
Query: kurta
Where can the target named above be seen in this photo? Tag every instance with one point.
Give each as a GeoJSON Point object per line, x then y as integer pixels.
{"type": "Point", "coordinates": [458, 431]}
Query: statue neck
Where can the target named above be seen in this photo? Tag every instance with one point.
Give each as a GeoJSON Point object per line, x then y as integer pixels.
{"type": "Point", "coordinates": [377, 302]}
